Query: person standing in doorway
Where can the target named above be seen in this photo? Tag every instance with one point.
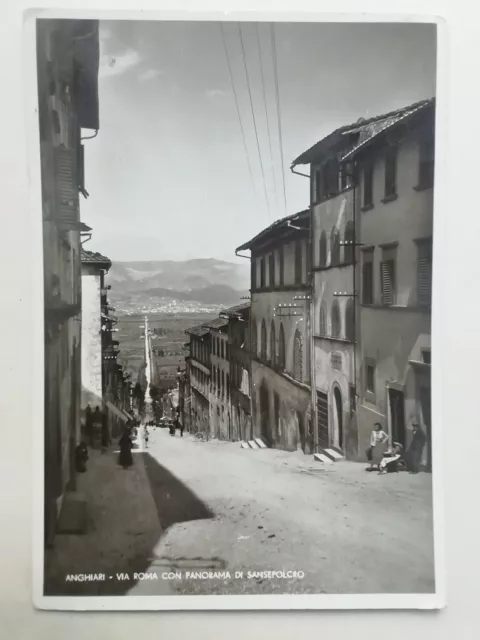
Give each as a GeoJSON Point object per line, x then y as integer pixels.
{"type": "Point", "coordinates": [415, 450]}
{"type": "Point", "coordinates": [378, 445]}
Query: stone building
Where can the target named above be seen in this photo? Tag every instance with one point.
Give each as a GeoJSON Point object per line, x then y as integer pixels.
{"type": "Point", "coordinates": [220, 412]}
{"type": "Point", "coordinates": [94, 268]}
{"type": "Point", "coordinates": [240, 371]}
{"type": "Point", "coordinates": [395, 168]}
{"type": "Point", "coordinates": [199, 372]}
{"type": "Point", "coordinates": [371, 221]}
{"type": "Point", "coordinates": [67, 66]}
{"type": "Point", "coordinates": [280, 333]}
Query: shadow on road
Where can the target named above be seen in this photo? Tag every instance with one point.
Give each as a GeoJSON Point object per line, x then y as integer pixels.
{"type": "Point", "coordinates": [174, 501]}
{"type": "Point", "coordinates": [124, 530]}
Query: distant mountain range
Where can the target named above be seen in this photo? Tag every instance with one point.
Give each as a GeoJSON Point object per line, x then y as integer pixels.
{"type": "Point", "coordinates": [205, 281]}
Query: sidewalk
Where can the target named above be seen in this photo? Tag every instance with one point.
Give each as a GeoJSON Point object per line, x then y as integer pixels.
{"type": "Point", "coordinates": [123, 528]}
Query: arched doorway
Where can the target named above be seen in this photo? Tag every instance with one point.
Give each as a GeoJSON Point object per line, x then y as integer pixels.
{"type": "Point", "coordinates": [264, 412]}
{"type": "Point", "coordinates": [338, 418]}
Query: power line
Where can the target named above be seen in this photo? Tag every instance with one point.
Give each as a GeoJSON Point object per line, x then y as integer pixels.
{"type": "Point", "coordinates": [238, 107]}
{"type": "Point", "coordinates": [253, 116]}
{"type": "Point", "coordinates": [275, 69]}
{"type": "Point", "coordinates": [266, 109]}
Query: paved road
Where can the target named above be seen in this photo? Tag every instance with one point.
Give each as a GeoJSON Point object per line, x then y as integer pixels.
{"type": "Point", "coordinates": [223, 508]}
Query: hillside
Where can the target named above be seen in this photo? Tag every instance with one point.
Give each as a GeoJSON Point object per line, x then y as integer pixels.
{"type": "Point", "coordinates": [201, 282]}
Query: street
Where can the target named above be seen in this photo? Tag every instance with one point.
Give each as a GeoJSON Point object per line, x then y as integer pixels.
{"type": "Point", "coordinates": [194, 506]}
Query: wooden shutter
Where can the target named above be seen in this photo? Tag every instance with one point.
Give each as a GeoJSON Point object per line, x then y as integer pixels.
{"type": "Point", "coordinates": [388, 284]}
{"type": "Point", "coordinates": [66, 212]}
{"type": "Point", "coordinates": [322, 419]}
{"type": "Point", "coordinates": [424, 278]}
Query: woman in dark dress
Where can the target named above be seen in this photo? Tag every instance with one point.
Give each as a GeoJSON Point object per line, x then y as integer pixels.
{"type": "Point", "coordinates": [125, 459]}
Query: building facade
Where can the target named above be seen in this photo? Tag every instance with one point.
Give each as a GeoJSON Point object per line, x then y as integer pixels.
{"type": "Point", "coordinates": [67, 65]}
{"type": "Point", "coordinates": [371, 212]}
{"type": "Point", "coordinates": [280, 333]}
{"type": "Point", "coordinates": [199, 368]}
{"type": "Point", "coordinates": [94, 268]}
{"type": "Point", "coordinates": [395, 190]}
{"type": "Point", "coordinates": [220, 411]}
{"type": "Point", "coordinates": [240, 371]}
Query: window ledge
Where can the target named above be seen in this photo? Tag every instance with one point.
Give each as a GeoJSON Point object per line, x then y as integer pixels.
{"type": "Point", "coordinates": [367, 207]}
{"type": "Point", "coordinates": [423, 187]}
{"type": "Point", "coordinates": [332, 339]}
{"type": "Point", "coordinates": [390, 198]}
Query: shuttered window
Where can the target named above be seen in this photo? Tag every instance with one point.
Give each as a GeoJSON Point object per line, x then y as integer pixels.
{"type": "Point", "coordinates": [67, 208]}
{"type": "Point", "coordinates": [297, 357]}
{"type": "Point", "coordinates": [281, 348]}
{"type": "Point", "coordinates": [273, 345]}
{"type": "Point", "coordinates": [349, 243]}
{"type": "Point", "coordinates": [336, 320]}
{"type": "Point", "coordinates": [322, 250]}
{"type": "Point", "coordinates": [424, 275]}
{"type": "Point", "coordinates": [323, 320]}
{"type": "Point", "coordinates": [387, 277]}
{"type": "Point", "coordinates": [263, 343]}
{"type": "Point", "coordinates": [367, 278]}
{"type": "Point", "coordinates": [336, 361]}
{"type": "Point", "coordinates": [350, 321]}
{"type": "Point", "coordinates": [322, 419]}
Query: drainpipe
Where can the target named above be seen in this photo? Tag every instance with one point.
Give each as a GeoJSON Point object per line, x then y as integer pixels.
{"type": "Point", "coordinates": [311, 323]}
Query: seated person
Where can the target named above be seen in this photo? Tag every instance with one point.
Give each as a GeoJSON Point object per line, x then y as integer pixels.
{"type": "Point", "coordinates": [391, 459]}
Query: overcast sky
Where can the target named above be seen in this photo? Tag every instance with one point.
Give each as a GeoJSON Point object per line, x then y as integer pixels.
{"type": "Point", "coordinates": [168, 174]}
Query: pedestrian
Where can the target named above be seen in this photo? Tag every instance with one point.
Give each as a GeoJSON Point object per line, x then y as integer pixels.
{"type": "Point", "coordinates": [89, 425]}
{"type": "Point", "coordinates": [391, 459]}
{"type": "Point", "coordinates": [105, 432]}
{"type": "Point", "coordinates": [125, 458]}
{"type": "Point", "coordinates": [378, 445]}
{"type": "Point", "coordinates": [97, 424]}
{"type": "Point", "coordinates": [415, 450]}
{"type": "Point", "coordinates": [146, 437]}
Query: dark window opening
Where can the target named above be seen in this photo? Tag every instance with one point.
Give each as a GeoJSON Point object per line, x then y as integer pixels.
{"type": "Point", "coordinates": [368, 185]}
{"type": "Point", "coordinates": [391, 172]}
{"type": "Point", "coordinates": [426, 163]}
{"type": "Point", "coordinates": [298, 262]}
{"type": "Point", "coordinates": [370, 378]}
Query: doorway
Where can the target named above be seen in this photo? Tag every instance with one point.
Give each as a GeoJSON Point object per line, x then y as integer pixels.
{"type": "Point", "coordinates": [322, 420]}
{"type": "Point", "coordinates": [397, 416]}
{"type": "Point", "coordinates": [338, 417]}
{"type": "Point", "coordinates": [264, 413]}
{"type": "Point", "coordinates": [426, 406]}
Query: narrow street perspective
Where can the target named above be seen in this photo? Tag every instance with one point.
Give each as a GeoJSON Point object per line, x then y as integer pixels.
{"type": "Point", "coordinates": [238, 304]}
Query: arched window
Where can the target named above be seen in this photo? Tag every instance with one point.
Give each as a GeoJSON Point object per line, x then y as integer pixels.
{"type": "Point", "coordinates": [297, 357]}
{"type": "Point", "coordinates": [281, 348]}
{"type": "Point", "coordinates": [322, 330]}
{"type": "Point", "coordinates": [350, 321]}
{"type": "Point", "coordinates": [263, 341]}
{"type": "Point", "coordinates": [273, 346]}
{"type": "Point", "coordinates": [223, 383]}
{"type": "Point", "coordinates": [335, 247]}
{"type": "Point", "coordinates": [322, 250]}
{"type": "Point", "coordinates": [349, 246]}
{"type": "Point", "coordinates": [254, 338]}
{"type": "Point", "coordinates": [336, 321]}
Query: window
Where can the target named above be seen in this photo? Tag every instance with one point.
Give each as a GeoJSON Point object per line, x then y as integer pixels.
{"type": "Point", "coordinates": [427, 356]}
{"type": "Point", "coordinates": [370, 377]}
{"type": "Point", "coordinates": [298, 262]}
{"type": "Point", "coordinates": [350, 321]}
{"type": "Point", "coordinates": [388, 277]}
{"type": "Point", "coordinates": [349, 243]}
{"type": "Point", "coordinates": [367, 277]}
{"type": "Point", "coordinates": [426, 162]}
{"type": "Point", "coordinates": [368, 185]}
{"type": "Point", "coordinates": [271, 269]}
{"type": "Point", "coordinates": [253, 267]}
{"type": "Point", "coordinates": [322, 250]}
{"type": "Point", "coordinates": [336, 361]}
{"type": "Point", "coordinates": [263, 341]}
{"type": "Point", "coordinates": [254, 338]}
{"type": "Point", "coordinates": [334, 247]}
{"type": "Point", "coordinates": [332, 178]}
{"type": "Point", "coordinates": [281, 261]}
{"type": "Point", "coordinates": [281, 348]}
{"type": "Point", "coordinates": [424, 274]}
{"type": "Point", "coordinates": [323, 320]}
{"type": "Point", "coordinates": [345, 179]}
{"type": "Point", "coordinates": [227, 383]}
{"type": "Point", "coordinates": [391, 172]}
{"type": "Point", "coordinates": [336, 322]}
{"type": "Point", "coordinates": [262, 273]}
{"type": "Point", "coordinates": [297, 357]}
{"type": "Point", "coordinates": [223, 383]}
{"type": "Point", "coordinates": [317, 191]}
{"type": "Point", "coordinates": [273, 345]}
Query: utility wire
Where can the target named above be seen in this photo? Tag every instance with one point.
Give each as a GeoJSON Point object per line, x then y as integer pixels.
{"type": "Point", "coordinates": [238, 107]}
{"type": "Point", "coordinates": [266, 110]}
{"type": "Point", "coordinates": [275, 69]}
{"type": "Point", "coordinates": [253, 116]}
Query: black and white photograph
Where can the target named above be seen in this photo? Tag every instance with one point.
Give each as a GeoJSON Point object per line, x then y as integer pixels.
{"type": "Point", "coordinates": [238, 234]}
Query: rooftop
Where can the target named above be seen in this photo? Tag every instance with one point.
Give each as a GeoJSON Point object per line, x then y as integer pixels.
{"type": "Point", "coordinates": [198, 331]}
{"type": "Point", "coordinates": [278, 226]}
{"type": "Point", "coordinates": [236, 310]}
{"type": "Point", "coordinates": [93, 257]}
{"type": "Point", "coordinates": [367, 128]}
{"type": "Point", "coordinates": [217, 323]}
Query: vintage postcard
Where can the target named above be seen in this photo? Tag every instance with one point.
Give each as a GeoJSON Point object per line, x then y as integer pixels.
{"type": "Point", "coordinates": [236, 221]}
